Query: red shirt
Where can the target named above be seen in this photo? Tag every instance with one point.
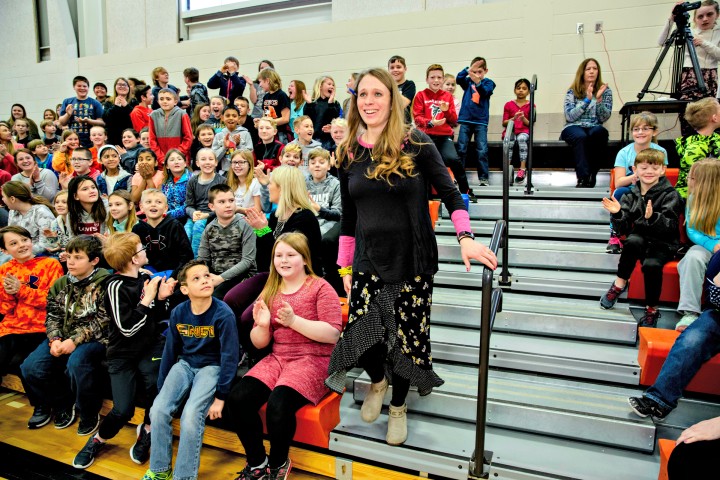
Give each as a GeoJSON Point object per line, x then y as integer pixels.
{"type": "Point", "coordinates": [426, 107]}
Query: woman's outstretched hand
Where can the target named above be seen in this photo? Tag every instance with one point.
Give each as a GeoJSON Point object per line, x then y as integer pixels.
{"type": "Point", "coordinates": [472, 250]}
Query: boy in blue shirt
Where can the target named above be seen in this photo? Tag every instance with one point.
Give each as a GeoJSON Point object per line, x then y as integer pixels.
{"type": "Point", "coordinates": [81, 112]}
{"type": "Point", "coordinates": [475, 113]}
{"type": "Point", "coordinates": [199, 362]}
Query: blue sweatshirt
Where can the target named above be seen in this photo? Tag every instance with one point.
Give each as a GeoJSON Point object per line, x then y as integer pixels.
{"type": "Point", "coordinates": [698, 238]}
{"type": "Point", "coordinates": [201, 340]}
{"type": "Point", "coordinates": [475, 107]}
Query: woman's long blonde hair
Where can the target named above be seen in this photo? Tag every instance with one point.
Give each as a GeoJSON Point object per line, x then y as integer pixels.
{"type": "Point", "coordinates": [704, 196]}
{"type": "Point", "coordinates": [298, 242]}
{"type": "Point", "coordinates": [293, 191]}
{"type": "Point", "coordinates": [388, 156]}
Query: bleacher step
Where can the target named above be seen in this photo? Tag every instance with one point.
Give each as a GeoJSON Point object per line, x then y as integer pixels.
{"type": "Point", "coordinates": [566, 211]}
{"type": "Point", "coordinates": [546, 254]}
{"type": "Point", "coordinates": [520, 229]}
{"type": "Point", "coordinates": [559, 179]}
{"type": "Point", "coordinates": [535, 314]}
{"type": "Point", "coordinates": [554, 356]}
{"type": "Point", "coordinates": [494, 190]}
{"type": "Point", "coordinates": [590, 285]}
{"type": "Point", "coordinates": [443, 448]}
{"type": "Point", "coordinates": [534, 404]}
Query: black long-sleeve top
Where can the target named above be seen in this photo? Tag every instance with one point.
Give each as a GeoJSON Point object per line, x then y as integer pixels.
{"type": "Point", "coordinates": [391, 223]}
{"type": "Point", "coordinates": [303, 221]}
{"type": "Point", "coordinates": [662, 228]}
{"type": "Point", "coordinates": [322, 112]}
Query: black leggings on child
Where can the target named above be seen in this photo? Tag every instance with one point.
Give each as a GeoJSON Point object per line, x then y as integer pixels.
{"type": "Point", "coordinates": [243, 405]}
{"type": "Point", "coordinates": [373, 362]}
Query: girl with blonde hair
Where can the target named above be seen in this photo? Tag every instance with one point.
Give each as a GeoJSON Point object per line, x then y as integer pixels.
{"type": "Point", "coordinates": [322, 108]}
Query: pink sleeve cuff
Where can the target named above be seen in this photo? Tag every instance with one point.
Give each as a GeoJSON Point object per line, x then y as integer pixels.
{"type": "Point", "coordinates": [346, 251]}
{"type": "Point", "coordinates": [461, 221]}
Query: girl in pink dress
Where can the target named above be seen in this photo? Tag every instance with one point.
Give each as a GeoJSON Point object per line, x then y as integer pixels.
{"type": "Point", "coordinates": [299, 313]}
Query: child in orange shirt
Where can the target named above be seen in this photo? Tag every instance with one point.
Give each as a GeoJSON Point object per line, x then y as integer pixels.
{"type": "Point", "coordinates": [26, 280]}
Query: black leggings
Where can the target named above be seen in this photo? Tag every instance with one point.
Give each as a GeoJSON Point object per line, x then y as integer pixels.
{"type": "Point", "coordinates": [373, 362]}
{"type": "Point", "coordinates": [653, 260]}
{"type": "Point", "coordinates": [243, 405]}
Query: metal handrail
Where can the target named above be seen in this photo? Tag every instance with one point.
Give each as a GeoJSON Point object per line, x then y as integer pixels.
{"type": "Point", "coordinates": [508, 143]}
{"type": "Point", "coordinates": [491, 304]}
{"type": "Point", "coordinates": [529, 185]}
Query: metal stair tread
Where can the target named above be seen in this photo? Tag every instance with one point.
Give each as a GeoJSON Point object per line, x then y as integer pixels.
{"type": "Point", "coordinates": [520, 272]}
{"type": "Point", "coordinates": [539, 346]}
{"type": "Point", "coordinates": [520, 229]}
{"type": "Point", "coordinates": [524, 303]}
{"type": "Point", "coordinates": [444, 446]}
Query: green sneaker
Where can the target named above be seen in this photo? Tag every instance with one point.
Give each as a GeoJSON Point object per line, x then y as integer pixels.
{"type": "Point", "coordinates": [150, 475]}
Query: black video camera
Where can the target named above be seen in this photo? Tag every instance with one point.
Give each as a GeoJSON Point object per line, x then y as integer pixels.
{"type": "Point", "coordinates": [683, 8]}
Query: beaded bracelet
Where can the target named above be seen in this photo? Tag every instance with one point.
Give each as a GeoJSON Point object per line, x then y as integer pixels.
{"type": "Point", "coordinates": [345, 271]}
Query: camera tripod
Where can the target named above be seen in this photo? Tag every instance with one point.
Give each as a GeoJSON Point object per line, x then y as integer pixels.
{"type": "Point", "coordinates": [682, 40]}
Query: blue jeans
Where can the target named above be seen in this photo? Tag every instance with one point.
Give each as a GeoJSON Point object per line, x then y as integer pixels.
{"type": "Point", "coordinates": [467, 130]}
{"type": "Point", "coordinates": [695, 346]}
{"type": "Point", "coordinates": [181, 381]}
{"type": "Point", "coordinates": [194, 231]}
{"type": "Point", "coordinates": [589, 147]}
{"type": "Point", "coordinates": [60, 382]}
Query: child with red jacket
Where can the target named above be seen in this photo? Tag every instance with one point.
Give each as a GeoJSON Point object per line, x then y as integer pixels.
{"type": "Point", "coordinates": [169, 126]}
{"type": "Point", "coordinates": [434, 113]}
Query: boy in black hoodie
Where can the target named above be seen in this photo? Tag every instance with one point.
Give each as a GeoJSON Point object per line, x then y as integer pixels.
{"type": "Point", "coordinates": [649, 216]}
{"type": "Point", "coordinates": [135, 304]}
{"type": "Point", "coordinates": [163, 237]}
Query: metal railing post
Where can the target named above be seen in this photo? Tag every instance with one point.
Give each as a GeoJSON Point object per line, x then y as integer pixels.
{"type": "Point", "coordinates": [528, 181]}
{"type": "Point", "coordinates": [491, 304]}
{"type": "Point", "coordinates": [508, 143]}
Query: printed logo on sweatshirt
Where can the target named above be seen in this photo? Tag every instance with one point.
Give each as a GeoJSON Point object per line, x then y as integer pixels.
{"type": "Point", "coordinates": [155, 243]}
{"type": "Point", "coordinates": [197, 332]}
{"type": "Point", "coordinates": [435, 110]}
{"type": "Point", "coordinates": [33, 282]}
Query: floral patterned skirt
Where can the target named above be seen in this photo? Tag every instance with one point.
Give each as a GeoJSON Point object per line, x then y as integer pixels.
{"type": "Point", "coordinates": [396, 315]}
{"type": "Point", "coordinates": [688, 84]}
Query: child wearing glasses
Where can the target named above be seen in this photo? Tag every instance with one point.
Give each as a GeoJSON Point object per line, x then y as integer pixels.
{"type": "Point", "coordinates": [644, 131]}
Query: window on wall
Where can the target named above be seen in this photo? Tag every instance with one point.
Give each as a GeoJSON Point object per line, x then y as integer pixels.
{"type": "Point", "coordinates": [218, 18]}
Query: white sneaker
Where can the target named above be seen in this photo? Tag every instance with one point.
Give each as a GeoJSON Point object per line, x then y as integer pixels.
{"type": "Point", "coordinates": [686, 321]}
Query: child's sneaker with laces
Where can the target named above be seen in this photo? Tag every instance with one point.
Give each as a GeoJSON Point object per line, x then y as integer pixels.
{"type": "Point", "coordinates": [649, 318]}
{"type": "Point", "coordinates": [614, 246]}
{"type": "Point", "coordinates": [611, 297]}
{"type": "Point", "coordinates": [150, 475]}
{"type": "Point", "coordinates": [249, 473]}
{"type": "Point", "coordinates": [520, 177]}
{"type": "Point", "coordinates": [86, 456]}
{"type": "Point", "coordinates": [88, 425]}
{"type": "Point", "coordinates": [64, 418]}
{"type": "Point", "coordinates": [645, 407]}
{"type": "Point", "coordinates": [140, 451]}
{"type": "Point", "coordinates": [41, 416]}
{"type": "Point", "coordinates": [687, 319]}
{"type": "Point", "coordinates": [282, 472]}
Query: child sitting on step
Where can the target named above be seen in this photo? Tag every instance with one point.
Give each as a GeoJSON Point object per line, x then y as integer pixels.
{"type": "Point", "coordinates": [702, 221]}
{"type": "Point", "coordinates": [298, 314]}
{"type": "Point", "coordinates": [644, 132]}
{"type": "Point", "coordinates": [649, 216]}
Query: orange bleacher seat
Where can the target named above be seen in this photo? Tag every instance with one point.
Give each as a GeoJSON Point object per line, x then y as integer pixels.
{"type": "Point", "coordinates": [434, 206]}
{"type": "Point", "coordinates": [670, 288]}
{"type": "Point", "coordinates": [314, 423]}
{"type": "Point", "coordinates": [666, 448]}
{"type": "Point", "coordinates": [655, 345]}
{"type": "Point", "coordinates": [345, 309]}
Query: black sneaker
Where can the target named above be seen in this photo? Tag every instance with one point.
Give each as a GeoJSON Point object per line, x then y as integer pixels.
{"type": "Point", "coordinates": [41, 416]}
{"type": "Point", "coordinates": [88, 425]}
{"type": "Point", "coordinates": [471, 196]}
{"type": "Point", "coordinates": [614, 246]}
{"type": "Point", "coordinates": [64, 418]}
{"type": "Point", "coordinates": [86, 456]}
{"type": "Point", "coordinates": [140, 452]}
{"type": "Point", "coordinates": [249, 473]}
{"type": "Point", "coordinates": [611, 297]}
{"type": "Point", "coordinates": [282, 472]}
{"type": "Point", "coordinates": [649, 318]}
{"type": "Point", "coordinates": [645, 407]}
